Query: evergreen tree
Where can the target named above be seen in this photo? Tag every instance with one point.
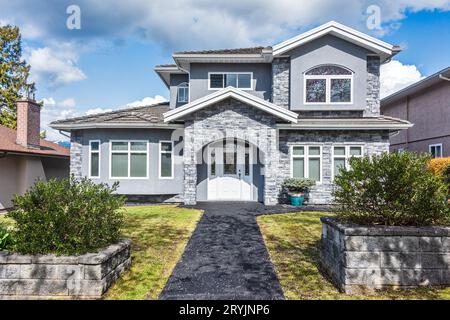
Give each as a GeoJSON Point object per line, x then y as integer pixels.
{"type": "Point", "coordinates": [14, 73]}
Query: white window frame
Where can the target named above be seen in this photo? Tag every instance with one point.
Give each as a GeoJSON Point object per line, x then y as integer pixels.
{"type": "Point", "coordinates": [434, 146]}
{"type": "Point", "coordinates": [185, 87]}
{"type": "Point", "coordinates": [90, 158]}
{"type": "Point", "coordinates": [347, 156]}
{"type": "Point", "coordinates": [328, 79]}
{"type": "Point", "coordinates": [306, 156]}
{"type": "Point", "coordinates": [160, 162]}
{"type": "Point", "coordinates": [223, 81]}
{"type": "Point", "coordinates": [129, 152]}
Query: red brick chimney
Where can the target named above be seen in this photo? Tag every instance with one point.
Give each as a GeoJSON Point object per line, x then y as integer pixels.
{"type": "Point", "coordinates": [28, 123]}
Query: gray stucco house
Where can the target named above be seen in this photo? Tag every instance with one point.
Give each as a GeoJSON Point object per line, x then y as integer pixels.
{"type": "Point", "coordinates": [240, 121]}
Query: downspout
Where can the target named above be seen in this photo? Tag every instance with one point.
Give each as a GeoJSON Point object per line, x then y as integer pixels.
{"type": "Point", "coordinates": [63, 134]}
{"type": "Point", "coordinates": [444, 78]}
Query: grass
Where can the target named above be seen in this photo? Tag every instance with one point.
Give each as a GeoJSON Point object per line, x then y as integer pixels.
{"type": "Point", "coordinates": [159, 234]}
{"type": "Point", "coordinates": [293, 241]}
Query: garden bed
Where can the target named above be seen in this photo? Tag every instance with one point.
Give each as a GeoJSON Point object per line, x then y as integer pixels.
{"type": "Point", "coordinates": [378, 257]}
{"type": "Point", "coordinates": [85, 276]}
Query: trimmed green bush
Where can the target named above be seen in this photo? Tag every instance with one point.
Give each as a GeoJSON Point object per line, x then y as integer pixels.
{"type": "Point", "coordinates": [67, 217]}
{"type": "Point", "coordinates": [391, 189]}
{"type": "Point", "coordinates": [298, 185]}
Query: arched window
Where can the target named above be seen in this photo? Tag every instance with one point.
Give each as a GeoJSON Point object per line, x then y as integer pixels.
{"type": "Point", "coordinates": [183, 92]}
{"type": "Point", "coordinates": [328, 84]}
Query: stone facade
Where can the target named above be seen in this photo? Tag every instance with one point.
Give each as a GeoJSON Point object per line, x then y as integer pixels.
{"type": "Point", "coordinates": [48, 276]}
{"type": "Point", "coordinates": [230, 119]}
{"type": "Point", "coordinates": [359, 258]}
{"type": "Point", "coordinates": [373, 143]}
{"type": "Point", "coordinates": [76, 152]}
{"type": "Point", "coordinates": [373, 87]}
{"type": "Point", "coordinates": [280, 82]}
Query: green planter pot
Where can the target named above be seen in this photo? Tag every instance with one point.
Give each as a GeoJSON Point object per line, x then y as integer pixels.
{"type": "Point", "coordinates": [297, 201]}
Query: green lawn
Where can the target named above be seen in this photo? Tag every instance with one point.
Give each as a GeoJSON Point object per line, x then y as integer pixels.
{"type": "Point", "coordinates": [293, 243]}
{"type": "Point", "coordinates": [159, 235]}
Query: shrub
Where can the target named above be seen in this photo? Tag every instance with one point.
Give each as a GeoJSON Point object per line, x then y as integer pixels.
{"type": "Point", "coordinates": [6, 238]}
{"type": "Point", "coordinates": [391, 189]}
{"type": "Point", "coordinates": [67, 217]}
{"type": "Point", "coordinates": [298, 185]}
{"type": "Point", "coordinates": [438, 165]}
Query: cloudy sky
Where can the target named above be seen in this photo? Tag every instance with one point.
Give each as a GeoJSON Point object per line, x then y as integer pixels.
{"type": "Point", "coordinates": [108, 63]}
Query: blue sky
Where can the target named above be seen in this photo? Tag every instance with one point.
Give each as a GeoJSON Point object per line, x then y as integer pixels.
{"type": "Point", "coordinates": [108, 63]}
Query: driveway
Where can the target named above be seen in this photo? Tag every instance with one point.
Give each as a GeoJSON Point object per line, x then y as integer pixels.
{"type": "Point", "coordinates": [226, 257]}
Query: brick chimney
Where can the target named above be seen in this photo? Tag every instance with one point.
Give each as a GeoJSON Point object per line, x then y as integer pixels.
{"type": "Point", "coordinates": [28, 123]}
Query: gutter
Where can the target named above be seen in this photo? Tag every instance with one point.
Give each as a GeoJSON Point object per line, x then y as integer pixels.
{"type": "Point", "coordinates": [3, 155]}
{"type": "Point", "coordinates": [68, 127]}
{"type": "Point", "coordinates": [443, 78]}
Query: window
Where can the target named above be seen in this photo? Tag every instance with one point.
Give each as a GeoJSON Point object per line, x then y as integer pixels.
{"type": "Point", "coordinates": [183, 93]}
{"type": "Point", "coordinates": [129, 159]}
{"type": "Point", "coordinates": [328, 85]}
{"type": "Point", "coordinates": [342, 156]}
{"type": "Point", "coordinates": [241, 80]}
{"type": "Point", "coordinates": [94, 159]}
{"type": "Point", "coordinates": [165, 159]}
{"type": "Point", "coordinates": [307, 162]}
{"type": "Point", "coordinates": [435, 150]}
{"type": "Point", "coordinates": [230, 157]}
{"type": "Point", "coordinates": [247, 159]}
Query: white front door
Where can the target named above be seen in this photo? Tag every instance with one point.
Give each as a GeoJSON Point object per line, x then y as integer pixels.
{"type": "Point", "coordinates": [230, 171]}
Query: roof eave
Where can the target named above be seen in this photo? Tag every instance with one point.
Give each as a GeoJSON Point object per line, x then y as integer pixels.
{"type": "Point", "coordinates": [115, 125]}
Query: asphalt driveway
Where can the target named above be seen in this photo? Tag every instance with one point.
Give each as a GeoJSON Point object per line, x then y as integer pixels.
{"type": "Point", "coordinates": [226, 257]}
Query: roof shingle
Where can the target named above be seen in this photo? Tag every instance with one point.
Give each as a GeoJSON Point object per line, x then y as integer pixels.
{"type": "Point", "coordinates": [252, 50]}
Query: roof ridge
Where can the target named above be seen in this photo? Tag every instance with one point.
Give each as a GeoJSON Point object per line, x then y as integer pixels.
{"type": "Point", "coordinates": [111, 112]}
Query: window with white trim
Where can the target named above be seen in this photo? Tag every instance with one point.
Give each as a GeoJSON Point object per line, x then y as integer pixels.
{"type": "Point", "coordinates": [220, 80]}
{"type": "Point", "coordinates": [129, 159]}
{"type": "Point", "coordinates": [183, 93]}
{"type": "Point", "coordinates": [435, 150]}
{"type": "Point", "coordinates": [328, 84]}
{"type": "Point", "coordinates": [165, 159]}
{"type": "Point", "coordinates": [94, 159]}
{"type": "Point", "coordinates": [342, 156]}
{"type": "Point", "coordinates": [306, 162]}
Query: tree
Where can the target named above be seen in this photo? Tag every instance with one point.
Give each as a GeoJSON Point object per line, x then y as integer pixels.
{"type": "Point", "coordinates": [14, 73]}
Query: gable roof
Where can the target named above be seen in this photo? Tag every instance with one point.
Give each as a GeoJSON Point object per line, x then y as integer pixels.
{"type": "Point", "coordinates": [384, 49]}
{"type": "Point", "coordinates": [417, 86]}
{"type": "Point", "coordinates": [47, 148]}
{"type": "Point", "coordinates": [137, 117]}
{"type": "Point", "coordinates": [231, 92]}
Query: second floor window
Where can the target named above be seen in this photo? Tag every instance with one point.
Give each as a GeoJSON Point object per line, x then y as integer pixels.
{"type": "Point", "coordinates": [183, 93]}
{"type": "Point", "coordinates": [328, 84]}
{"type": "Point", "coordinates": [241, 80]}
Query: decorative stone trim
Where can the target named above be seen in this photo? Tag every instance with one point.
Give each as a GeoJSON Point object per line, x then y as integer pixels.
{"type": "Point", "coordinates": [280, 81]}
{"type": "Point", "coordinates": [87, 276]}
{"type": "Point", "coordinates": [373, 87]}
{"type": "Point", "coordinates": [76, 155]}
{"type": "Point", "coordinates": [378, 257]}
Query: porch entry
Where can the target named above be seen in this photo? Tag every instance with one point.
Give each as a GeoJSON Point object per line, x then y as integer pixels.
{"type": "Point", "coordinates": [230, 171]}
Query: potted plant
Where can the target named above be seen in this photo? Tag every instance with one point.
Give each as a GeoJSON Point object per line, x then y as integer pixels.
{"type": "Point", "coordinates": [297, 187]}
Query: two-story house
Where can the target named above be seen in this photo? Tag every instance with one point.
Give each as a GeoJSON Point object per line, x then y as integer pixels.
{"type": "Point", "coordinates": [240, 121]}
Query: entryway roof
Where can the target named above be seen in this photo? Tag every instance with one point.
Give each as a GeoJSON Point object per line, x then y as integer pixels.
{"type": "Point", "coordinates": [231, 92]}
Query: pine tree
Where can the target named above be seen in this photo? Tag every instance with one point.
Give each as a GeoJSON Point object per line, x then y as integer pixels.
{"type": "Point", "coordinates": [14, 73]}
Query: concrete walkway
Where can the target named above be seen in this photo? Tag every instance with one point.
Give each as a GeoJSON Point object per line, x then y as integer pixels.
{"type": "Point", "coordinates": [226, 257]}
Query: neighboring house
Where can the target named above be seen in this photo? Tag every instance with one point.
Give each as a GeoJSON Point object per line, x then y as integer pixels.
{"type": "Point", "coordinates": [425, 103]}
{"type": "Point", "coordinates": [240, 121]}
{"type": "Point", "coordinates": [24, 157]}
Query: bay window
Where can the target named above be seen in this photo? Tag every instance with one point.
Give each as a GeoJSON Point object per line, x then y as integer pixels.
{"type": "Point", "coordinates": [306, 162]}
{"type": "Point", "coordinates": [129, 159]}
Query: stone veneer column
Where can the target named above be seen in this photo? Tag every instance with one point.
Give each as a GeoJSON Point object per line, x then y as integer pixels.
{"type": "Point", "coordinates": [272, 185]}
{"type": "Point", "coordinates": [190, 165]}
{"type": "Point", "coordinates": [373, 86]}
{"type": "Point", "coordinates": [76, 155]}
{"type": "Point", "coordinates": [280, 82]}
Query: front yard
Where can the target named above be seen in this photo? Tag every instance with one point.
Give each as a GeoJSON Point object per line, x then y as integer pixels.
{"type": "Point", "coordinates": [293, 241]}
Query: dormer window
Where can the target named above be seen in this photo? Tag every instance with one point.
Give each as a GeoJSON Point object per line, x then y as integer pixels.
{"type": "Point", "coordinates": [183, 93]}
{"type": "Point", "coordinates": [328, 84]}
{"type": "Point", "coordinates": [220, 80]}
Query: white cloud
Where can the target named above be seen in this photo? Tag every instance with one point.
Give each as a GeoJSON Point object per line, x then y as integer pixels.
{"type": "Point", "coordinates": [96, 111]}
{"type": "Point", "coordinates": [147, 101]}
{"type": "Point", "coordinates": [395, 76]}
{"type": "Point", "coordinates": [54, 67]}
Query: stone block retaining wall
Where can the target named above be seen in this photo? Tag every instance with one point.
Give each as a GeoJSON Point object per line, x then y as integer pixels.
{"type": "Point", "coordinates": [377, 257]}
{"type": "Point", "coordinates": [48, 276]}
